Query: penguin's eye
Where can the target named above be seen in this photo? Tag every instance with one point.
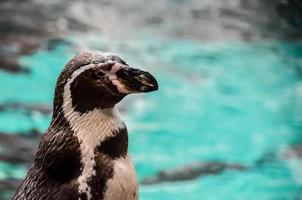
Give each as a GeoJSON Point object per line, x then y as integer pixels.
{"type": "Point", "coordinates": [98, 75]}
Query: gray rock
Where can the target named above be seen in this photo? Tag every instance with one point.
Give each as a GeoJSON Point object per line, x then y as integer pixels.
{"type": "Point", "coordinates": [44, 109]}
{"type": "Point", "coordinates": [19, 148]}
{"type": "Point", "coordinates": [8, 187]}
{"type": "Point", "coordinates": [9, 184]}
{"type": "Point", "coordinates": [192, 172]}
{"type": "Point", "coordinates": [28, 25]}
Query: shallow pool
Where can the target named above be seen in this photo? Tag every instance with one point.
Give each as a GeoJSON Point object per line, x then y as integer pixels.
{"type": "Point", "coordinates": [229, 102]}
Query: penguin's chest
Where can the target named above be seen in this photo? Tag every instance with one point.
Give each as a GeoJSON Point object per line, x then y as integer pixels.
{"type": "Point", "coordinates": [123, 182]}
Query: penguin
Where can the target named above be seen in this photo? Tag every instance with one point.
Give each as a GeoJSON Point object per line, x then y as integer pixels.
{"type": "Point", "coordinates": [84, 153]}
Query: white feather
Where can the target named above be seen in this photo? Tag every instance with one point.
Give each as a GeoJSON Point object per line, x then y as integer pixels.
{"type": "Point", "coordinates": [123, 184]}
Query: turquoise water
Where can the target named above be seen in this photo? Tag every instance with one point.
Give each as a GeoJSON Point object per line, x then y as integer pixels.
{"type": "Point", "coordinates": [231, 102]}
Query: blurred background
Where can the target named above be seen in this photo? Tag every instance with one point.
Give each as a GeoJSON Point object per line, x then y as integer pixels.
{"type": "Point", "coordinates": [227, 120]}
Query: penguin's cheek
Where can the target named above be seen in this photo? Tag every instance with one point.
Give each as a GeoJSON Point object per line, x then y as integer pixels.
{"type": "Point", "coordinates": [120, 86]}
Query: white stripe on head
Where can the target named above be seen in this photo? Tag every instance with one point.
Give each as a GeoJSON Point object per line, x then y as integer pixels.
{"type": "Point", "coordinates": [120, 87]}
{"type": "Point", "coordinates": [90, 129]}
{"type": "Point", "coordinates": [114, 80]}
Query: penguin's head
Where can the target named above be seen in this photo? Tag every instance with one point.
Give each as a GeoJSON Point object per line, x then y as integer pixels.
{"type": "Point", "coordinates": [100, 80]}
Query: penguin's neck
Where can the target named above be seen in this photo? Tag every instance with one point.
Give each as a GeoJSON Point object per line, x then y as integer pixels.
{"type": "Point", "coordinates": [94, 127]}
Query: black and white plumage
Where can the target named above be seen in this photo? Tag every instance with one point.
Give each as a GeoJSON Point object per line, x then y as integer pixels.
{"type": "Point", "coordinates": [84, 153]}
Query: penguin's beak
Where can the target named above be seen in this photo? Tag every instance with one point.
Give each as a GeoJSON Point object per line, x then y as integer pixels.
{"type": "Point", "coordinates": [136, 80]}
